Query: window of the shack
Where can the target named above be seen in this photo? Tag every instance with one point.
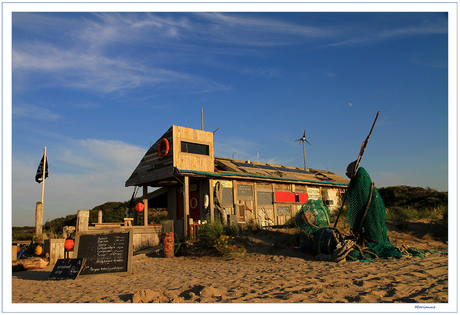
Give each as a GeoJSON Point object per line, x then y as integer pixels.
{"type": "Point", "coordinates": [195, 148]}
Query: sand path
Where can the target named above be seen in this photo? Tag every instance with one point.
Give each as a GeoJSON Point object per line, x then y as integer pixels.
{"type": "Point", "coordinates": [266, 273]}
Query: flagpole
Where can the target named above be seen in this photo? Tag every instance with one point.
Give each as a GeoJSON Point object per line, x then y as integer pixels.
{"type": "Point", "coordinates": [39, 206]}
{"type": "Point", "coordinates": [44, 174]}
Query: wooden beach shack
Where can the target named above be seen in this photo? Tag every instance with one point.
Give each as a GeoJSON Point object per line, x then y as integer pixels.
{"type": "Point", "coordinates": [198, 186]}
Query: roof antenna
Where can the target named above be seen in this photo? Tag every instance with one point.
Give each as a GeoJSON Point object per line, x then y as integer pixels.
{"type": "Point", "coordinates": [303, 140]}
{"type": "Point", "coordinates": [202, 118]}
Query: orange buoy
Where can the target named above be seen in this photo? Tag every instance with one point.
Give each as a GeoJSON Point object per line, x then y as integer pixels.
{"type": "Point", "coordinates": [139, 207]}
{"type": "Point", "coordinates": [38, 250]}
{"type": "Point", "coordinates": [69, 244]}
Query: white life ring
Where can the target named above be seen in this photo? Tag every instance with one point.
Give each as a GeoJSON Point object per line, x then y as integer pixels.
{"type": "Point", "coordinates": [193, 203]}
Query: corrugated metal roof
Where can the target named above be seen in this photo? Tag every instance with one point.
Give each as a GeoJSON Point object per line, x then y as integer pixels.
{"type": "Point", "coordinates": [235, 168]}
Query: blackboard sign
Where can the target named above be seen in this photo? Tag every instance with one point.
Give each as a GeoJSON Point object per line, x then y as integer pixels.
{"type": "Point", "coordinates": [67, 269]}
{"type": "Point", "coordinates": [245, 190]}
{"type": "Point", "coordinates": [108, 251]}
{"type": "Point", "coordinates": [227, 196]}
{"type": "Point", "coordinates": [264, 198]}
{"type": "Point", "coordinates": [283, 209]}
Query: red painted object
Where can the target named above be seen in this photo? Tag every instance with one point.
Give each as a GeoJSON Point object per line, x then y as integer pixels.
{"type": "Point", "coordinates": [69, 244]}
{"type": "Point", "coordinates": [281, 196]}
{"type": "Point", "coordinates": [139, 207]}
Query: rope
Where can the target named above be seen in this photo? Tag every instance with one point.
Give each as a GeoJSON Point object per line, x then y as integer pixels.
{"type": "Point", "coordinates": [136, 188]}
{"type": "Point", "coordinates": [367, 209]}
{"type": "Point", "coordinates": [257, 176]}
{"type": "Point", "coordinates": [218, 200]}
{"type": "Point", "coordinates": [305, 218]}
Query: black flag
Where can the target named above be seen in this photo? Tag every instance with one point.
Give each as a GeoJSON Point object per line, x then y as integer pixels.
{"type": "Point", "coordinates": [39, 176]}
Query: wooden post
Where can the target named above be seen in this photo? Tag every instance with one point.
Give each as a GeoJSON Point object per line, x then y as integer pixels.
{"type": "Point", "coordinates": [135, 216]}
{"type": "Point", "coordinates": [82, 220]}
{"type": "Point", "coordinates": [146, 207]}
{"type": "Point", "coordinates": [211, 201]}
{"type": "Point", "coordinates": [255, 205]}
{"type": "Point", "coordinates": [15, 251]}
{"type": "Point", "coordinates": [186, 205]}
{"type": "Point", "coordinates": [39, 220]}
{"type": "Point", "coordinates": [56, 250]}
{"type": "Point", "coordinates": [99, 216]}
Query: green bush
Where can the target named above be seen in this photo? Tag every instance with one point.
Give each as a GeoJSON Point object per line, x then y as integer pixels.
{"type": "Point", "coordinates": [25, 233]}
{"type": "Point", "coordinates": [407, 213]}
{"type": "Point", "coordinates": [209, 233]}
{"type": "Point", "coordinates": [111, 212]}
{"type": "Point", "coordinates": [416, 197]}
{"type": "Point", "coordinates": [223, 238]}
{"type": "Point", "coordinates": [445, 214]}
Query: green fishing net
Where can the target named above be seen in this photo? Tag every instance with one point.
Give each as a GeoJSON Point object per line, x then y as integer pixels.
{"type": "Point", "coordinates": [362, 216]}
{"type": "Point", "coordinates": [366, 218]}
{"type": "Point", "coordinates": [315, 232]}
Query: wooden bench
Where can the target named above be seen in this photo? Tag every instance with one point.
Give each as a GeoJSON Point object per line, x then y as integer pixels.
{"type": "Point", "coordinates": [126, 222]}
{"type": "Point", "coordinates": [107, 224]}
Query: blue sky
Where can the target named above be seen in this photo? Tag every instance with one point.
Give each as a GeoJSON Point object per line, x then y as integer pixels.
{"type": "Point", "coordinates": [97, 89]}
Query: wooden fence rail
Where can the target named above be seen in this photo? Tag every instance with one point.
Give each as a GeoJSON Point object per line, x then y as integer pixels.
{"type": "Point", "coordinates": [194, 230]}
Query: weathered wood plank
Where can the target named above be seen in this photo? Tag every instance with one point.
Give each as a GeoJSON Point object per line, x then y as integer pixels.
{"type": "Point", "coordinates": [29, 264]}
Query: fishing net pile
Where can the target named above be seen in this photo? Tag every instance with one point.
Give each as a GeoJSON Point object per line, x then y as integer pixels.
{"type": "Point", "coordinates": [316, 234]}
{"type": "Point", "coordinates": [366, 219]}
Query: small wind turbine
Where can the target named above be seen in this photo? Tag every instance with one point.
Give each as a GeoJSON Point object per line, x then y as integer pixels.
{"type": "Point", "coordinates": [303, 139]}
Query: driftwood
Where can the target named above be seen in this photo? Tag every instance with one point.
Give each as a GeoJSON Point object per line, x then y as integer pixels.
{"type": "Point", "coordinates": [29, 264]}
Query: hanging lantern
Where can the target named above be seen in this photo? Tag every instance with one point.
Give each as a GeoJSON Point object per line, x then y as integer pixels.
{"type": "Point", "coordinates": [69, 244]}
{"type": "Point", "coordinates": [139, 207]}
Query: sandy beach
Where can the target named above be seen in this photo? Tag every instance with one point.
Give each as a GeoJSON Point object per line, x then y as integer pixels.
{"type": "Point", "coordinates": [268, 272]}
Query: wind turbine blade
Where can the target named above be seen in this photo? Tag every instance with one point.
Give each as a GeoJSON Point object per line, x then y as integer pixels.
{"type": "Point", "coordinates": [307, 141]}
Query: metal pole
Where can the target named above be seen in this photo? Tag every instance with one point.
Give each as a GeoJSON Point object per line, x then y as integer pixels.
{"type": "Point", "coordinates": [304, 158]}
{"type": "Point", "coordinates": [202, 118]}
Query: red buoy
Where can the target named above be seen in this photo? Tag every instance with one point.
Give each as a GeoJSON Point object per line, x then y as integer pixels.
{"type": "Point", "coordinates": [139, 207]}
{"type": "Point", "coordinates": [69, 244]}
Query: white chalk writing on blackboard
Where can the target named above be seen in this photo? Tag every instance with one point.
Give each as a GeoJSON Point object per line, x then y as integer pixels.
{"type": "Point", "coordinates": [244, 190]}
{"type": "Point", "coordinates": [105, 252]}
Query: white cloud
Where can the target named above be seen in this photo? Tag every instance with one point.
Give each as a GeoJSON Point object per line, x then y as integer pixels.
{"type": "Point", "coordinates": [96, 72]}
{"type": "Point", "coordinates": [257, 31]}
{"type": "Point", "coordinates": [366, 36]}
{"type": "Point", "coordinates": [240, 149]}
{"type": "Point", "coordinates": [87, 60]}
{"type": "Point", "coordinates": [425, 28]}
{"type": "Point", "coordinates": [32, 111]}
{"type": "Point", "coordinates": [102, 169]}
{"type": "Point", "coordinates": [243, 150]}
